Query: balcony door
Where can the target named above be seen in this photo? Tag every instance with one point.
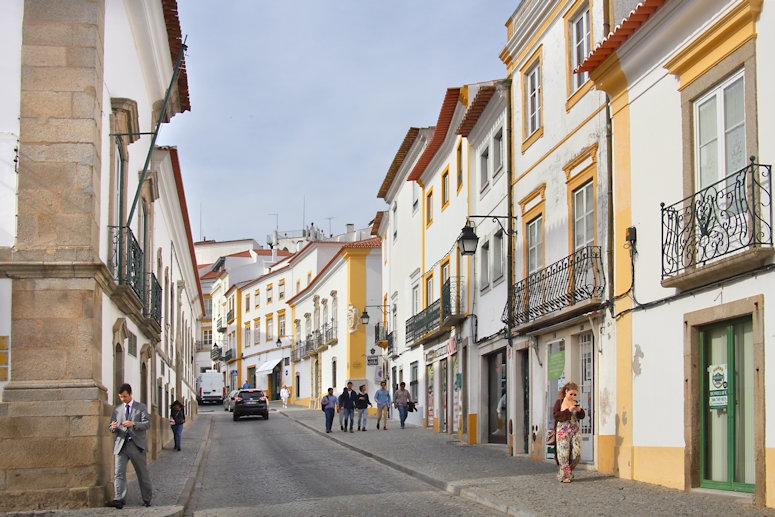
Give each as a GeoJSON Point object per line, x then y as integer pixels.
{"type": "Point", "coordinates": [720, 151]}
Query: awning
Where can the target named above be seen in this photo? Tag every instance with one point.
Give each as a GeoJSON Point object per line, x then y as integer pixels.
{"type": "Point", "coordinates": [268, 366]}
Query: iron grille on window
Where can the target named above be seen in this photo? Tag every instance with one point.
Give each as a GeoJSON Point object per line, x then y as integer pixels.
{"type": "Point", "coordinates": [733, 214]}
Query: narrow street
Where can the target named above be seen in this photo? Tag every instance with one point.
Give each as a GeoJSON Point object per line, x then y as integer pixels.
{"type": "Point", "coordinates": [277, 467]}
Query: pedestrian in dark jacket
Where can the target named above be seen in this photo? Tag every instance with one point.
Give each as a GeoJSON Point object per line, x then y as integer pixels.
{"type": "Point", "coordinates": [347, 404]}
{"type": "Point", "coordinates": [362, 404]}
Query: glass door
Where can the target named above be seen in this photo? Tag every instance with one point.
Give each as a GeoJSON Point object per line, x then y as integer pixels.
{"type": "Point", "coordinates": [726, 418]}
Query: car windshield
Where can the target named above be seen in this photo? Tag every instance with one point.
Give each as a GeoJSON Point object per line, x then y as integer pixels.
{"type": "Point", "coordinates": [252, 395]}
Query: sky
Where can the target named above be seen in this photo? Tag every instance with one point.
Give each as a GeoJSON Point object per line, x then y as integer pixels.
{"type": "Point", "coordinates": [298, 107]}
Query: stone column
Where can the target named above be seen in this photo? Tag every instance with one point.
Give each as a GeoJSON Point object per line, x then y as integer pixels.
{"type": "Point", "coordinates": [55, 450]}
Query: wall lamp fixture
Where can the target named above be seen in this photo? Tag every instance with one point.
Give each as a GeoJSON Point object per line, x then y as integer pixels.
{"type": "Point", "coordinates": [468, 240]}
{"type": "Point", "coordinates": [365, 315]}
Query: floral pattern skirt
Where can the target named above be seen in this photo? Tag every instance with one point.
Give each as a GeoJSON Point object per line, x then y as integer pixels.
{"type": "Point", "coordinates": [568, 448]}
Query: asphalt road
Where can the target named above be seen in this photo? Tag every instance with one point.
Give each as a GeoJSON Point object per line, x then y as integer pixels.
{"type": "Point", "coordinates": [277, 467]}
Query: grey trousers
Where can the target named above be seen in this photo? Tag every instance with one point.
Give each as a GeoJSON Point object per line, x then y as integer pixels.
{"type": "Point", "coordinates": [130, 452]}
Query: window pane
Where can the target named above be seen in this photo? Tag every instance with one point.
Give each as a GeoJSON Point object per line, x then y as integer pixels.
{"type": "Point", "coordinates": [734, 126]}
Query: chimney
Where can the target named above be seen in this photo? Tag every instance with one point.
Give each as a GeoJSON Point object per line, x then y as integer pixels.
{"type": "Point", "coordinates": [349, 228]}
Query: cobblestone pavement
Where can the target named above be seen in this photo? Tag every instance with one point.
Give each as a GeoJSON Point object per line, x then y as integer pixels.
{"type": "Point", "coordinates": [482, 473]}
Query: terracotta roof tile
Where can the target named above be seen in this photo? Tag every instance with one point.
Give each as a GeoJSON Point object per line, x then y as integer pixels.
{"type": "Point", "coordinates": [475, 110]}
{"type": "Point", "coordinates": [620, 34]}
{"type": "Point", "coordinates": [442, 127]}
{"type": "Point", "coordinates": [175, 38]}
{"type": "Point", "coordinates": [399, 158]}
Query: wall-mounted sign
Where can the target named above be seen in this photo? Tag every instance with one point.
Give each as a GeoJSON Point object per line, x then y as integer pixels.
{"type": "Point", "coordinates": [372, 360]}
{"type": "Point", "coordinates": [717, 386]}
{"type": "Point", "coordinates": [555, 364]}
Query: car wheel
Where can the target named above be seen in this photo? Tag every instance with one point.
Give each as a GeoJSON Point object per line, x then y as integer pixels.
{"type": "Point", "coordinates": [235, 417]}
{"type": "Point", "coordinates": [266, 415]}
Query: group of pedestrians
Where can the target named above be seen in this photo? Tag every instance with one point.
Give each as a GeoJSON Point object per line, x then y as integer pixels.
{"type": "Point", "coordinates": [350, 401]}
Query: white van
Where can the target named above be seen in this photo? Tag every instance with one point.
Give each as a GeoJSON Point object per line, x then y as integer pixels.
{"type": "Point", "coordinates": [210, 388]}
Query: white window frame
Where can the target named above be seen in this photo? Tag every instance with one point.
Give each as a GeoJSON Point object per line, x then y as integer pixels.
{"type": "Point", "coordinates": [580, 42]}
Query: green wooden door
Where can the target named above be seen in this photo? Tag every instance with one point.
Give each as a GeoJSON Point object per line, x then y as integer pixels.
{"type": "Point", "coordinates": [727, 458]}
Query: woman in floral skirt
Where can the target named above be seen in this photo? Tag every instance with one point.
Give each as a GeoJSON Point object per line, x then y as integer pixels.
{"type": "Point", "coordinates": [567, 415]}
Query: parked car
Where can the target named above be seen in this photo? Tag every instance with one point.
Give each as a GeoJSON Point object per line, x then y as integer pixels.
{"type": "Point", "coordinates": [250, 402]}
{"type": "Point", "coordinates": [228, 401]}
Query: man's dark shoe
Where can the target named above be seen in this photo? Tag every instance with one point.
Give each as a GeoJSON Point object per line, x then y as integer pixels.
{"type": "Point", "coordinates": [146, 503]}
{"type": "Point", "coordinates": [115, 503]}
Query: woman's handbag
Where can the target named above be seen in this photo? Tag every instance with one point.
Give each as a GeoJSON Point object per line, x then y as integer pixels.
{"type": "Point", "coordinates": [551, 438]}
{"type": "Point", "coordinates": [410, 407]}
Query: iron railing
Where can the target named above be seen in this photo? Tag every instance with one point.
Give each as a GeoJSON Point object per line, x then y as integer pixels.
{"type": "Point", "coordinates": [215, 353]}
{"type": "Point", "coordinates": [127, 259]}
{"type": "Point", "coordinates": [153, 299]}
{"type": "Point", "coordinates": [391, 347]}
{"type": "Point", "coordinates": [229, 355]}
{"type": "Point", "coordinates": [733, 214]}
{"type": "Point", "coordinates": [573, 279]}
{"type": "Point", "coordinates": [432, 317]}
{"type": "Point", "coordinates": [380, 333]}
{"type": "Point", "coordinates": [329, 331]}
{"type": "Point", "coordinates": [450, 298]}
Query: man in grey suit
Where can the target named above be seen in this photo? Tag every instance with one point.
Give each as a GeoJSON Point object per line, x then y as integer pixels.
{"type": "Point", "coordinates": [129, 422]}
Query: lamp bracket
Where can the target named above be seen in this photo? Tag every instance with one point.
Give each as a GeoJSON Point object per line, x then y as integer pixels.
{"type": "Point", "coordinates": [496, 219]}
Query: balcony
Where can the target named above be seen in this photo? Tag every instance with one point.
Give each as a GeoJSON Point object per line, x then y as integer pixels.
{"type": "Point", "coordinates": [380, 335]}
{"type": "Point", "coordinates": [439, 317]}
{"type": "Point", "coordinates": [228, 356]}
{"type": "Point", "coordinates": [215, 353]}
{"type": "Point", "coordinates": [127, 259]}
{"type": "Point", "coordinates": [391, 345]}
{"type": "Point", "coordinates": [230, 315]}
{"type": "Point", "coordinates": [720, 231]}
{"type": "Point", "coordinates": [203, 346]}
{"type": "Point", "coordinates": [219, 326]}
{"type": "Point", "coordinates": [153, 299]}
{"type": "Point", "coordinates": [558, 292]}
{"type": "Point", "coordinates": [329, 332]}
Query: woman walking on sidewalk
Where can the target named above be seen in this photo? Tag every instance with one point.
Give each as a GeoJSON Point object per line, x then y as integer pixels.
{"type": "Point", "coordinates": [285, 394]}
{"type": "Point", "coordinates": [362, 404]}
{"type": "Point", "coordinates": [177, 419]}
{"type": "Point", "coordinates": [567, 414]}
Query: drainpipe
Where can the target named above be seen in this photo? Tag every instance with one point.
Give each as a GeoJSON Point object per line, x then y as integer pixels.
{"type": "Point", "coordinates": [510, 249]}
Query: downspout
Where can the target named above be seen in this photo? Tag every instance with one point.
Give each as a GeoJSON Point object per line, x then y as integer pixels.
{"type": "Point", "coordinates": [510, 242]}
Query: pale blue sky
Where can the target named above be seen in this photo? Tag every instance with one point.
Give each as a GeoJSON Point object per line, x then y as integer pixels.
{"type": "Point", "coordinates": [299, 106]}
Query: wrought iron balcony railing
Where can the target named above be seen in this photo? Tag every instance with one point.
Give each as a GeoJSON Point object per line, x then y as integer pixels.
{"type": "Point", "coordinates": [391, 346]}
{"type": "Point", "coordinates": [153, 299]}
{"type": "Point", "coordinates": [436, 314]}
{"type": "Point", "coordinates": [219, 326]}
{"type": "Point", "coordinates": [127, 259]}
{"type": "Point", "coordinates": [567, 282]}
{"type": "Point", "coordinates": [380, 333]}
{"type": "Point", "coordinates": [215, 353]}
{"type": "Point", "coordinates": [329, 331]}
{"type": "Point", "coordinates": [733, 214]}
{"type": "Point", "coordinates": [230, 315]}
{"type": "Point", "coordinates": [229, 355]}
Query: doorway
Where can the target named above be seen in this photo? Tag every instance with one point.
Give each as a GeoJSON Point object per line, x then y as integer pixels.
{"type": "Point", "coordinates": [727, 406]}
{"type": "Point", "coordinates": [496, 397]}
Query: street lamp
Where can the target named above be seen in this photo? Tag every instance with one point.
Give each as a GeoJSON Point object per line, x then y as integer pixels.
{"type": "Point", "coordinates": [468, 240]}
{"type": "Point", "coordinates": [279, 342]}
{"type": "Point", "coordinates": [365, 315]}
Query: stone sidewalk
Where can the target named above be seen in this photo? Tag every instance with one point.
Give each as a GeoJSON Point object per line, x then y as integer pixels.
{"type": "Point", "coordinates": [482, 473]}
